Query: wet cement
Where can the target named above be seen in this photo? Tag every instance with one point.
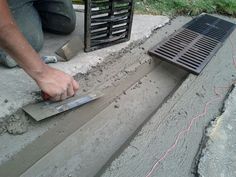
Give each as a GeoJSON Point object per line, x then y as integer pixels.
{"type": "Point", "coordinates": [100, 70]}
{"type": "Point", "coordinates": [137, 155]}
{"type": "Point", "coordinates": [153, 140]}
{"type": "Point", "coordinates": [22, 90]}
{"type": "Point", "coordinates": [218, 157]}
{"type": "Point", "coordinates": [91, 146]}
{"type": "Point", "coordinates": [104, 76]}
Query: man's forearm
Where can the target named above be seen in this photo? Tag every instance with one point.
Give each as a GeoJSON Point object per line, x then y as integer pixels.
{"type": "Point", "coordinates": [15, 44]}
{"type": "Point", "coordinates": [57, 84]}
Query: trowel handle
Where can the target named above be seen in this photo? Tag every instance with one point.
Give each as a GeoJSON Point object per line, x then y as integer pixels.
{"type": "Point", "coordinates": [45, 96]}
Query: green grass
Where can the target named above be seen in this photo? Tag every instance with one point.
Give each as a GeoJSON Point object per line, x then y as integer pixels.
{"type": "Point", "coordinates": [183, 7]}
{"type": "Point", "coordinates": [186, 7]}
{"type": "Point", "coordinates": [78, 1]}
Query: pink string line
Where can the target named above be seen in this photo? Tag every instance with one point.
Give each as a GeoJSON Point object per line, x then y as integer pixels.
{"type": "Point", "coordinates": [186, 130]}
{"type": "Point", "coordinates": [234, 56]}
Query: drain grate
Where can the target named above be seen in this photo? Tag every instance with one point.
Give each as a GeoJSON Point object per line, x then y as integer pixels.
{"type": "Point", "coordinates": [193, 46]}
{"type": "Point", "coordinates": [212, 27]}
{"type": "Point", "coordinates": [107, 22]}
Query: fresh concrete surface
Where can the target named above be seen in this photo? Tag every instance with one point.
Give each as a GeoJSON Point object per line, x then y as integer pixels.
{"type": "Point", "coordinates": [218, 158]}
{"type": "Point", "coordinates": [154, 138]}
{"type": "Point", "coordinates": [90, 147]}
{"type": "Point", "coordinates": [17, 89]}
{"type": "Point", "coordinates": [105, 74]}
{"type": "Point", "coordinates": [102, 77]}
{"type": "Point", "coordinates": [160, 133]}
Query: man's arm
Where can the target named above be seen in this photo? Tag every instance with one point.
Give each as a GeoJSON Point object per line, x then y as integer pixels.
{"type": "Point", "coordinates": [55, 83]}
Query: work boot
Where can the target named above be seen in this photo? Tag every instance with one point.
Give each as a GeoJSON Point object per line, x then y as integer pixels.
{"type": "Point", "coordinates": [7, 61]}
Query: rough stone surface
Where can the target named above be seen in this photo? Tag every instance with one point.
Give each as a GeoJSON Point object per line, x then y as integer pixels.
{"type": "Point", "coordinates": [218, 158]}
{"type": "Point", "coordinates": [17, 124]}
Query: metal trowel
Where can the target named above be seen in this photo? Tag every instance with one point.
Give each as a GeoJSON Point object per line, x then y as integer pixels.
{"type": "Point", "coordinates": [70, 48]}
{"type": "Point", "coordinates": [46, 109]}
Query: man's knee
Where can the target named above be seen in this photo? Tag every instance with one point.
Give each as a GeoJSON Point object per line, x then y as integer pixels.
{"type": "Point", "coordinates": [60, 25]}
{"type": "Point", "coordinates": [69, 26]}
{"type": "Point", "coordinates": [68, 17]}
{"type": "Point", "coordinates": [57, 16]}
{"type": "Point", "coordinates": [65, 24]}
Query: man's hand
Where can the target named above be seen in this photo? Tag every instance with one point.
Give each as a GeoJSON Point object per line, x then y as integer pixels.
{"type": "Point", "coordinates": [57, 84]}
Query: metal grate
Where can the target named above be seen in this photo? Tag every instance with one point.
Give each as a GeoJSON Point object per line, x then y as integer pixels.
{"type": "Point", "coordinates": [107, 22]}
{"type": "Point", "coordinates": [193, 46]}
{"type": "Point", "coordinates": [211, 26]}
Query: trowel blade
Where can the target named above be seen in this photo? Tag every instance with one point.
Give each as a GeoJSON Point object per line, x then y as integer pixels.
{"type": "Point", "coordinates": [71, 48]}
{"type": "Point", "coordinates": [46, 109]}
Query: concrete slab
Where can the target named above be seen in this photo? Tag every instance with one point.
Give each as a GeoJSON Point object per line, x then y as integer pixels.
{"type": "Point", "coordinates": [155, 140]}
{"type": "Point", "coordinates": [218, 157]}
{"type": "Point", "coordinates": [107, 74]}
{"type": "Point", "coordinates": [111, 69]}
{"type": "Point", "coordinates": [90, 147]}
{"type": "Point", "coordinates": [17, 89]}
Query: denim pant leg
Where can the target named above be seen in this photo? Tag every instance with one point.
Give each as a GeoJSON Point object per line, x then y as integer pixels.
{"type": "Point", "coordinates": [28, 21]}
{"type": "Point", "coordinates": [57, 16]}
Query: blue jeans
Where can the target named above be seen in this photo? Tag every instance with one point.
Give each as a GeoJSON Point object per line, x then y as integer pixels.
{"type": "Point", "coordinates": [34, 16]}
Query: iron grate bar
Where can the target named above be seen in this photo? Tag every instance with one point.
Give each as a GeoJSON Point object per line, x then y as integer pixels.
{"type": "Point", "coordinates": [194, 45]}
{"type": "Point", "coordinates": [212, 27]}
{"type": "Point", "coordinates": [107, 22]}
